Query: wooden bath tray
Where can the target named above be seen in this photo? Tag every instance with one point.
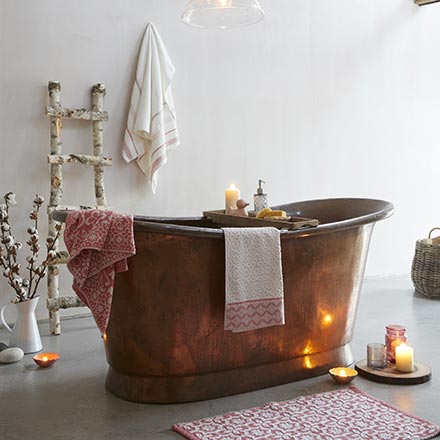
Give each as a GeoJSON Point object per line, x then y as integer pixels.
{"type": "Point", "coordinates": [389, 374]}
{"type": "Point", "coordinates": [219, 216]}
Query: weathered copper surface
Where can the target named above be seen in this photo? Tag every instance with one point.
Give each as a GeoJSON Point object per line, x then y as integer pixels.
{"type": "Point", "coordinates": [165, 338]}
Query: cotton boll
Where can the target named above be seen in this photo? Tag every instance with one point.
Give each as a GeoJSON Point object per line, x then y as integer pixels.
{"type": "Point", "coordinates": [10, 199]}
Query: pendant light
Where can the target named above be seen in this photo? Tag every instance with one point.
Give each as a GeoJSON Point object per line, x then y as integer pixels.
{"type": "Point", "coordinates": [222, 14]}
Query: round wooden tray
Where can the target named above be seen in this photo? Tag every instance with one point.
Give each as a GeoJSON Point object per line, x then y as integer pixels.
{"type": "Point", "coordinates": [389, 374]}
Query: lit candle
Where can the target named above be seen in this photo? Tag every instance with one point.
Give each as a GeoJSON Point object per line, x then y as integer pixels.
{"type": "Point", "coordinates": [232, 194]}
{"type": "Point", "coordinates": [404, 358]}
{"type": "Point", "coordinates": [343, 375]}
{"type": "Point", "coordinates": [45, 360]}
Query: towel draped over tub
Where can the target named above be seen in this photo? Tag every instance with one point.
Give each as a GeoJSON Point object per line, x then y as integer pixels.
{"type": "Point", "coordinates": [99, 243]}
{"type": "Point", "coordinates": [253, 279]}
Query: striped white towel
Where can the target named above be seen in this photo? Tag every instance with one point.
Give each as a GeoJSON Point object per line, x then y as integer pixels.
{"type": "Point", "coordinates": [151, 125]}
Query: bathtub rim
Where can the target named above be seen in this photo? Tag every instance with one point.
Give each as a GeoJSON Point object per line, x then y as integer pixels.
{"type": "Point", "coordinates": [165, 225]}
{"type": "Point", "coordinates": [168, 225]}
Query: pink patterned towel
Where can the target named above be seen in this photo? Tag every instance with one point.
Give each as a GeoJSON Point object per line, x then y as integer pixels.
{"type": "Point", "coordinates": [346, 414]}
{"type": "Point", "coordinates": [99, 243]}
{"type": "Point", "coordinates": [253, 279]}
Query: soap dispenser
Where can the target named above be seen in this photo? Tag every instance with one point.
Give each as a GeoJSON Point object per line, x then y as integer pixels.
{"type": "Point", "coordinates": [260, 199]}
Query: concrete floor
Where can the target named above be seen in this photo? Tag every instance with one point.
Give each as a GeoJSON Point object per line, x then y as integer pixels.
{"type": "Point", "coordinates": [69, 401]}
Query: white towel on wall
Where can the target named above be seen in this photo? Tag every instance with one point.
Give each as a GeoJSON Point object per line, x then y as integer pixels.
{"type": "Point", "coordinates": [254, 296]}
{"type": "Point", "coordinates": [151, 125]}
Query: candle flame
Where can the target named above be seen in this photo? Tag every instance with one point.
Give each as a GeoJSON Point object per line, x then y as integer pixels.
{"type": "Point", "coordinates": [232, 186]}
{"type": "Point", "coordinates": [342, 373]}
{"type": "Point", "coordinates": [45, 358]}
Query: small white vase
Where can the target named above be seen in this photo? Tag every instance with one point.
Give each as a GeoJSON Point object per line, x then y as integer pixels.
{"type": "Point", "coordinates": [25, 333]}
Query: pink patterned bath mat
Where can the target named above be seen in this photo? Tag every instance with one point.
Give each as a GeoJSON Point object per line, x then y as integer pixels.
{"type": "Point", "coordinates": [346, 414]}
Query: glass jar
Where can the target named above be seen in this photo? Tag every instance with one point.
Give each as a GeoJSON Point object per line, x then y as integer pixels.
{"type": "Point", "coordinates": [376, 355]}
{"type": "Point", "coordinates": [395, 335]}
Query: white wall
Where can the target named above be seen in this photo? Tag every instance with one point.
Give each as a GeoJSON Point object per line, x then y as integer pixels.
{"type": "Point", "coordinates": [321, 99]}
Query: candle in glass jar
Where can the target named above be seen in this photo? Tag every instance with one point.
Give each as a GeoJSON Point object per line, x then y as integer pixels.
{"type": "Point", "coordinates": [404, 358]}
{"type": "Point", "coordinates": [232, 194]}
{"type": "Point", "coordinates": [395, 335]}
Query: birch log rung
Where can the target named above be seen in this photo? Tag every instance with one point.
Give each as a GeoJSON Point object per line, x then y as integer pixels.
{"type": "Point", "coordinates": [52, 208]}
{"type": "Point", "coordinates": [83, 159]}
{"type": "Point", "coordinates": [59, 212]}
{"type": "Point", "coordinates": [62, 259]}
{"type": "Point", "coordinates": [66, 302]}
{"type": "Point", "coordinates": [425, 2]}
{"type": "Point", "coordinates": [77, 113]}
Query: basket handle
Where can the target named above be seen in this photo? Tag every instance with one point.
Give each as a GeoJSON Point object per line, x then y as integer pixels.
{"type": "Point", "coordinates": [431, 231]}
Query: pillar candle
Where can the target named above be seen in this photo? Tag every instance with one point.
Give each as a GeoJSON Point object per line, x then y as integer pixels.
{"type": "Point", "coordinates": [232, 194]}
{"type": "Point", "coordinates": [404, 358]}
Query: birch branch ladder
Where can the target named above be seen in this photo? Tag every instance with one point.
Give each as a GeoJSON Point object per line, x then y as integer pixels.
{"type": "Point", "coordinates": [425, 2]}
{"type": "Point", "coordinates": [57, 159]}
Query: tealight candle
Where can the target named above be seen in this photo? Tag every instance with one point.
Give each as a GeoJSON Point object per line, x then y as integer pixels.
{"type": "Point", "coordinates": [232, 194]}
{"type": "Point", "coordinates": [45, 360]}
{"type": "Point", "coordinates": [342, 374]}
{"type": "Point", "coordinates": [404, 358]}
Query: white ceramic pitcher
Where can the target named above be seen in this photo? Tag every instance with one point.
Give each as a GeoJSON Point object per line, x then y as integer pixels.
{"type": "Point", "coordinates": [25, 333]}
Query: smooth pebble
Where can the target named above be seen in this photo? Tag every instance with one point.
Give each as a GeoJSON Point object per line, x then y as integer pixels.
{"type": "Point", "coordinates": [10, 355]}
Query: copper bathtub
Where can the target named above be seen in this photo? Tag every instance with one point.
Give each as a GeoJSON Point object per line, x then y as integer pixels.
{"type": "Point", "coordinates": [165, 341]}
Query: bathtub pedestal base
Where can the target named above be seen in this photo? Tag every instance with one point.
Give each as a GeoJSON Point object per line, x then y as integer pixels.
{"type": "Point", "coordinates": [178, 389]}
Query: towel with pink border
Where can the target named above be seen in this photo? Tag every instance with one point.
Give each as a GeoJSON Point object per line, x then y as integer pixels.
{"type": "Point", "coordinates": [151, 124]}
{"type": "Point", "coordinates": [253, 279]}
{"type": "Point", "coordinates": [99, 243]}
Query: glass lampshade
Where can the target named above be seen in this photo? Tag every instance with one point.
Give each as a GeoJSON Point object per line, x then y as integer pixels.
{"type": "Point", "coordinates": [222, 14]}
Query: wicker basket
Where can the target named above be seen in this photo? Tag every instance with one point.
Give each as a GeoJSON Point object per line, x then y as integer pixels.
{"type": "Point", "coordinates": [425, 271]}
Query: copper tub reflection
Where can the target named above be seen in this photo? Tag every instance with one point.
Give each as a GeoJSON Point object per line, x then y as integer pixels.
{"type": "Point", "coordinates": [165, 339]}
